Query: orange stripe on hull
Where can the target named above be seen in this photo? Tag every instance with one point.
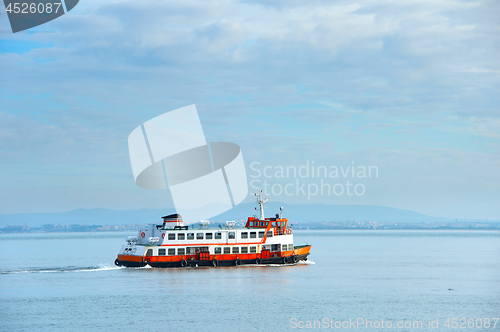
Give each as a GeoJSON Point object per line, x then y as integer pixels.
{"type": "Point", "coordinates": [226, 257]}
{"type": "Point", "coordinates": [220, 257]}
{"type": "Point", "coordinates": [302, 251]}
{"type": "Point", "coordinates": [130, 258]}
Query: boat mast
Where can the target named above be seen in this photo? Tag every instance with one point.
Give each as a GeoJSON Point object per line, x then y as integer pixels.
{"type": "Point", "coordinates": [261, 202]}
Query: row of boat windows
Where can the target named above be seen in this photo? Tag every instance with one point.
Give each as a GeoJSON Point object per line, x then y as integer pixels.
{"type": "Point", "coordinates": [277, 247]}
{"type": "Point", "coordinates": [191, 251]}
{"type": "Point", "coordinates": [266, 223]}
{"type": "Point", "coordinates": [218, 250]}
{"type": "Point", "coordinates": [217, 236]}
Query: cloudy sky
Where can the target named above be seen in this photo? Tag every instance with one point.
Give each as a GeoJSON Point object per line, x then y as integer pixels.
{"type": "Point", "coordinates": [411, 87]}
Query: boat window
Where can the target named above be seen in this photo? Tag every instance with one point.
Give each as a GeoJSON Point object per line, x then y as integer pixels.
{"type": "Point", "coordinates": [180, 236]}
{"type": "Point", "coordinates": [262, 223]}
{"type": "Point", "coordinates": [199, 236]}
{"type": "Point", "coordinates": [244, 235]}
{"type": "Point", "coordinates": [236, 250]}
{"type": "Point", "coordinates": [270, 234]}
{"type": "Point", "coordinates": [231, 235]}
{"type": "Point", "coordinates": [161, 252]}
{"type": "Point", "coordinates": [253, 249]}
{"type": "Point", "coordinates": [261, 235]}
{"type": "Point", "coordinates": [253, 235]}
{"type": "Point", "coordinates": [171, 236]}
{"type": "Point", "coordinates": [290, 247]}
{"type": "Point", "coordinates": [149, 252]}
{"type": "Point", "coordinates": [208, 236]}
{"type": "Point", "coordinates": [190, 236]}
{"type": "Point", "coordinates": [244, 250]}
{"type": "Point", "coordinates": [217, 251]}
{"type": "Point", "coordinates": [171, 251]}
{"type": "Point", "coordinates": [218, 236]}
{"type": "Point", "coordinates": [284, 247]}
{"type": "Point", "coordinates": [275, 247]}
{"type": "Point", "coordinates": [273, 224]}
{"type": "Point", "coordinates": [189, 250]}
{"type": "Point", "coordinates": [180, 251]}
{"type": "Point", "coordinates": [227, 250]}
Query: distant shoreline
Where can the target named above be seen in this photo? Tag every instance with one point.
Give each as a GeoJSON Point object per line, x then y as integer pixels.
{"type": "Point", "coordinates": [348, 225]}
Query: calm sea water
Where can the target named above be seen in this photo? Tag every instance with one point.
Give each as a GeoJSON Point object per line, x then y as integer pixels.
{"type": "Point", "coordinates": [67, 282]}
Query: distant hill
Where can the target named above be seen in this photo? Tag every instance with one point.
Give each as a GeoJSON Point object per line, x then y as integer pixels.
{"type": "Point", "coordinates": [86, 216]}
{"type": "Point", "coordinates": [299, 213]}
{"type": "Point", "coordinates": [323, 212]}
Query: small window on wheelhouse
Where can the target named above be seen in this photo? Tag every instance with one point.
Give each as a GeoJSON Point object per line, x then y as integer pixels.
{"type": "Point", "coordinates": [190, 236]}
{"type": "Point", "coordinates": [199, 236]}
{"type": "Point", "coordinates": [244, 250]}
{"type": "Point", "coordinates": [244, 235]}
{"type": "Point", "coordinates": [218, 236]}
{"type": "Point", "coordinates": [181, 236]}
{"type": "Point", "coordinates": [253, 235]}
{"type": "Point", "coordinates": [227, 250]}
{"type": "Point", "coordinates": [161, 252]}
{"type": "Point", "coordinates": [261, 235]}
{"type": "Point", "coordinates": [208, 236]}
{"type": "Point", "coordinates": [218, 251]}
{"type": "Point", "coordinates": [253, 250]}
{"type": "Point", "coordinates": [171, 251]}
{"type": "Point", "coordinates": [180, 251]}
{"type": "Point", "coordinates": [231, 235]}
{"type": "Point", "coordinates": [171, 236]}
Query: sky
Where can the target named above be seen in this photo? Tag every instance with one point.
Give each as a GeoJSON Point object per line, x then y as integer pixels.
{"type": "Point", "coordinates": [408, 87]}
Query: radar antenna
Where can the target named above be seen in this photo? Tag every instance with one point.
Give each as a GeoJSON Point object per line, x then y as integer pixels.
{"type": "Point", "coordinates": [261, 202]}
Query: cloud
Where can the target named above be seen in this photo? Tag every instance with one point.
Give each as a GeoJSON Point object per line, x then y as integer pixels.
{"type": "Point", "coordinates": [284, 80]}
{"type": "Point", "coordinates": [482, 71]}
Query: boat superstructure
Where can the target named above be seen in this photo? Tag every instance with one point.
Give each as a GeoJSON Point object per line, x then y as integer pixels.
{"type": "Point", "coordinates": [173, 244]}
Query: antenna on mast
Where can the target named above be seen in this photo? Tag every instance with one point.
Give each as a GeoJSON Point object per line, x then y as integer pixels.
{"type": "Point", "coordinates": [261, 202]}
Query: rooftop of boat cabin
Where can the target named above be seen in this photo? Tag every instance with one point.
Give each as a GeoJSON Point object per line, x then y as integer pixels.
{"type": "Point", "coordinates": [254, 222]}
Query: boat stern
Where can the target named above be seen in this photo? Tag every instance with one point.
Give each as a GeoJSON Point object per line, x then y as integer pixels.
{"type": "Point", "coordinates": [131, 255]}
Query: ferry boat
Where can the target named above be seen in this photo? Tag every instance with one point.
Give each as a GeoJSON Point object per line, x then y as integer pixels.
{"type": "Point", "coordinates": [173, 244]}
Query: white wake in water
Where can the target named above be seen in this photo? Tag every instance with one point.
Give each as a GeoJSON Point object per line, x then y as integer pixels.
{"type": "Point", "coordinates": [105, 267]}
{"type": "Point", "coordinates": [276, 265]}
{"type": "Point", "coordinates": [99, 267]}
